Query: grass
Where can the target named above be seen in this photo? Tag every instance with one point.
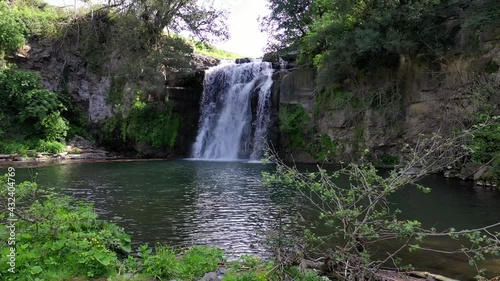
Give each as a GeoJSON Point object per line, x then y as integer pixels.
{"type": "Point", "coordinates": [212, 51]}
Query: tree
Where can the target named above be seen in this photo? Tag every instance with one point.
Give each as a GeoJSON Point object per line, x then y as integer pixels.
{"type": "Point", "coordinates": [360, 215]}
{"type": "Point", "coordinates": [346, 36]}
{"type": "Point", "coordinates": [288, 22]}
{"type": "Point", "coordinates": [200, 18]}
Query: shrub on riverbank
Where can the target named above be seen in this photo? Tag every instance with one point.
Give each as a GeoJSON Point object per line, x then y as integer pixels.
{"type": "Point", "coordinates": [30, 114]}
{"type": "Point", "coordinates": [485, 145]}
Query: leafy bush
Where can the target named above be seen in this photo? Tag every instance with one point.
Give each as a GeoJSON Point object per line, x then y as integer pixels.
{"type": "Point", "coordinates": [199, 260]}
{"type": "Point", "coordinates": [30, 109]}
{"type": "Point", "coordinates": [248, 268]}
{"type": "Point", "coordinates": [163, 264]}
{"type": "Point", "coordinates": [486, 139]}
{"type": "Point", "coordinates": [11, 32]}
{"type": "Point", "coordinates": [38, 18]}
{"type": "Point", "coordinates": [13, 147]}
{"type": "Point", "coordinates": [55, 127]}
{"type": "Point", "coordinates": [59, 239]}
{"type": "Point", "coordinates": [49, 146]}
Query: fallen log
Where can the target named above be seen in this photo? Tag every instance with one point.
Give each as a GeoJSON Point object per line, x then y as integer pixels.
{"type": "Point", "coordinates": [425, 274]}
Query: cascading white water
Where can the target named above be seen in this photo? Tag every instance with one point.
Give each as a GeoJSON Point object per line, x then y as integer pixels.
{"type": "Point", "coordinates": [228, 129]}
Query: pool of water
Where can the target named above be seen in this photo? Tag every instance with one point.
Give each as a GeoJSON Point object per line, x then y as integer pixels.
{"type": "Point", "coordinates": [224, 204]}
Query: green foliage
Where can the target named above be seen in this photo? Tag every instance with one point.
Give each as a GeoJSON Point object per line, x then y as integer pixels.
{"type": "Point", "coordinates": [50, 146]}
{"type": "Point", "coordinates": [249, 268]}
{"type": "Point", "coordinates": [347, 36]}
{"type": "Point", "coordinates": [29, 108]}
{"type": "Point", "coordinates": [39, 19]}
{"type": "Point", "coordinates": [138, 37]}
{"type": "Point", "coordinates": [148, 124]}
{"type": "Point", "coordinates": [244, 276]}
{"type": "Point", "coordinates": [292, 121]}
{"type": "Point", "coordinates": [58, 237]}
{"type": "Point", "coordinates": [11, 147]}
{"type": "Point", "coordinates": [486, 139]}
{"type": "Point", "coordinates": [212, 51]}
{"type": "Point", "coordinates": [326, 148]}
{"type": "Point", "coordinates": [287, 23]}
{"type": "Point", "coordinates": [491, 67]}
{"type": "Point", "coordinates": [199, 260]}
{"type": "Point", "coordinates": [193, 263]}
{"type": "Point", "coordinates": [11, 32]}
{"type": "Point", "coordinates": [484, 13]}
{"type": "Point", "coordinates": [55, 127]}
{"type": "Point", "coordinates": [163, 264]}
{"type": "Point", "coordinates": [389, 160]}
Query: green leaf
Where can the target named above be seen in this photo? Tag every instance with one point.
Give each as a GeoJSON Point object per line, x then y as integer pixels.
{"type": "Point", "coordinates": [35, 270]}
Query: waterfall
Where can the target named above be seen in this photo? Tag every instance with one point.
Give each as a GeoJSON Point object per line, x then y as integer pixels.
{"type": "Point", "coordinates": [235, 112]}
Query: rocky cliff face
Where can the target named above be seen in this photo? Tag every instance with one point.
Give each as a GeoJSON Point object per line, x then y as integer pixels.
{"type": "Point", "coordinates": [415, 96]}
{"type": "Point", "coordinates": [66, 70]}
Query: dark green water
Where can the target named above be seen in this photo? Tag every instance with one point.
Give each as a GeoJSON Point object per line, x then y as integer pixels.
{"type": "Point", "coordinates": [221, 204]}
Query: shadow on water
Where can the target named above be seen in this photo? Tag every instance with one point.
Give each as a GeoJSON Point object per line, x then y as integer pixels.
{"type": "Point", "coordinates": [223, 204]}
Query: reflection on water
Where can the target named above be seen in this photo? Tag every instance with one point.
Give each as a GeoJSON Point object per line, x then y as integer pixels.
{"type": "Point", "coordinates": [181, 203]}
{"type": "Point", "coordinates": [223, 204]}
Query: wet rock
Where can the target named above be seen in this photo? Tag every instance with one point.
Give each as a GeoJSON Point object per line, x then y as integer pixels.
{"type": "Point", "coordinates": [480, 174]}
{"type": "Point", "coordinates": [212, 276]}
{"type": "Point", "coordinates": [243, 60]}
{"type": "Point", "coordinates": [74, 156]}
{"type": "Point", "coordinates": [450, 174]}
{"type": "Point", "coordinates": [202, 62]}
{"type": "Point", "coordinates": [81, 143]}
{"type": "Point", "coordinates": [221, 271]}
{"type": "Point", "coordinates": [271, 57]}
{"type": "Point", "coordinates": [488, 174]}
{"type": "Point", "coordinates": [469, 169]}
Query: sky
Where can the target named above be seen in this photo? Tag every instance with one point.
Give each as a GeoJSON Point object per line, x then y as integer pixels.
{"type": "Point", "coordinates": [246, 38]}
